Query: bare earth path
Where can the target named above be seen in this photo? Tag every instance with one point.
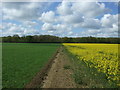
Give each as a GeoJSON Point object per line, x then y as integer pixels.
{"type": "Point", "coordinates": [58, 76]}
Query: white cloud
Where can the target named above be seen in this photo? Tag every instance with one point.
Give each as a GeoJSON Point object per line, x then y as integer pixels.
{"type": "Point", "coordinates": [30, 32]}
{"type": "Point", "coordinates": [22, 11]}
{"type": "Point", "coordinates": [62, 21]}
{"type": "Point", "coordinates": [12, 29]}
{"type": "Point", "coordinates": [118, 19]}
{"type": "Point", "coordinates": [11, 14]}
{"type": "Point", "coordinates": [89, 9]}
{"type": "Point", "coordinates": [70, 33]}
{"type": "Point", "coordinates": [63, 27]}
{"type": "Point", "coordinates": [48, 27]}
{"type": "Point", "coordinates": [108, 20]}
{"type": "Point", "coordinates": [91, 32]}
{"type": "Point", "coordinates": [48, 17]}
{"type": "Point", "coordinates": [51, 27]}
{"type": "Point", "coordinates": [1, 26]}
{"type": "Point", "coordinates": [30, 23]}
{"type": "Point", "coordinates": [91, 23]}
{"type": "Point", "coordinates": [107, 26]}
{"type": "Point", "coordinates": [58, 29]}
{"type": "Point", "coordinates": [102, 32]}
{"type": "Point", "coordinates": [64, 8]}
{"type": "Point", "coordinates": [80, 15]}
{"type": "Point", "coordinates": [71, 19]}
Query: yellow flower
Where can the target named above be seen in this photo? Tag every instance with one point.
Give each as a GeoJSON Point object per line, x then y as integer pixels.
{"type": "Point", "coordinates": [103, 57]}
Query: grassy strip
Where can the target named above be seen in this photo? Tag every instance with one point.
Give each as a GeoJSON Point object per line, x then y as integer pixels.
{"type": "Point", "coordinates": [86, 77]}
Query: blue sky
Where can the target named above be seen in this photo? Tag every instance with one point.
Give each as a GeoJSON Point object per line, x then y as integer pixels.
{"type": "Point", "coordinates": [61, 19]}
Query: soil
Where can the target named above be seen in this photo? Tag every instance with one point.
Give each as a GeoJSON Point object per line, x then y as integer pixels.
{"type": "Point", "coordinates": [56, 74]}
{"type": "Point", "coordinates": [60, 74]}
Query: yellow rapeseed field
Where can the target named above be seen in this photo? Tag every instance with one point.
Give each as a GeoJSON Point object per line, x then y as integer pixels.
{"type": "Point", "coordinates": [103, 57]}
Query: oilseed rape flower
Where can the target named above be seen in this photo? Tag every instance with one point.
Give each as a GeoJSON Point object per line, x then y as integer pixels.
{"type": "Point", "coordinates": [103, 57]}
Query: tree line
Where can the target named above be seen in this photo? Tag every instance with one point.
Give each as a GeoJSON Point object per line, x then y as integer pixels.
{"type": "Point", "coordinates": [55, 39]}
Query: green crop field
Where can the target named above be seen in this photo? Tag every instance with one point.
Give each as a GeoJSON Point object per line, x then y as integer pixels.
{"type": "Point", "coordinates": [21, 61]}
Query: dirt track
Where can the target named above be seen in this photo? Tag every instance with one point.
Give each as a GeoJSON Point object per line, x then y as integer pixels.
{"type": "Point", "coordinates": [58, 76]}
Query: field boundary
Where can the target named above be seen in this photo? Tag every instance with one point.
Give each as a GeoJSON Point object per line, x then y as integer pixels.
{"type": "Point", "coordinates": [36, 82]}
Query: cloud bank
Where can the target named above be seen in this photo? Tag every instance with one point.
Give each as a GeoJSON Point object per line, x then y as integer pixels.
{"type": "Point", "coordinates": [70, 19]}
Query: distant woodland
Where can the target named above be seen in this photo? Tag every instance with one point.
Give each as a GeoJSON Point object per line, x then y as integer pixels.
{"type": "Point", "coordinates": [55, 39]}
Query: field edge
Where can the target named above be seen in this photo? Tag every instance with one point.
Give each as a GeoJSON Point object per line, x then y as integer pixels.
{"type": "Point", "coordinates": [36, 82]}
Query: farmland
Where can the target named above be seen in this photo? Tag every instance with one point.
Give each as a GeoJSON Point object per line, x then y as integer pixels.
{"type": "Point", "coordinates": [75, 65]}
{"type": "Point", "coordinates": [92, 57]}
{"type": "Point", "coordinates": [21, 62]}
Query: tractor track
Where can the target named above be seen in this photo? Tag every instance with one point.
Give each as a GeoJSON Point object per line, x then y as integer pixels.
{"type": "Point", "coordinates": [54, 75]}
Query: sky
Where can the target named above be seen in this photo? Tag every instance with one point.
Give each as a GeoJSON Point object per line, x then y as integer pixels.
{"type": "Point", "coordinates": [63, 19]}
